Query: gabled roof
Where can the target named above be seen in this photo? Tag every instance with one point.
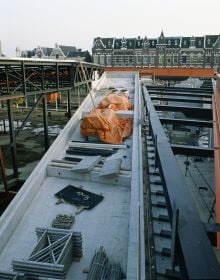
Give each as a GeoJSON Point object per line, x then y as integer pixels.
{"type": "Point", "coordinates": [217, 43]}
{"type": "Point", "coordinates": [57, 51]}
{"type": "Point", "coordinates": [108, 42]}
{"type": "Point", "coordinates": [67, 49]}
{"type": "Point", "coordinates": [98, 43]}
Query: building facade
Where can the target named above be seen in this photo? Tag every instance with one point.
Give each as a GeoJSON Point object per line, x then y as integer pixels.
{"type": "Point", "coordinates": [58, 52]}
{"type": "Point", "coordinates": [201, 52]}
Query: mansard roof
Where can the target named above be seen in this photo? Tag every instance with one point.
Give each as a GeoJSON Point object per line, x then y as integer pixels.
{"type": "Point", "coordinates": [185, 42]}
{"type": "Point", "coordinates": [210, 41]}
{"type": "Point", "coordinates": [152, 43]}
{"type": "Point", "coordinates": [172, 42]}
{"type": "Point", "coordinates": [124, 43]}
{"type": "Point", "coordinates": [199, 42]}
{"type": "Point", "coordinates": [108, 42]}
{"type": "Point", "coordinates": [139, 43]}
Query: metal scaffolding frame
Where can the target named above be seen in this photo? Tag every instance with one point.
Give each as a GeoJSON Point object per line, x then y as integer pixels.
{"type": "Point", "coordinates": [22, 78]}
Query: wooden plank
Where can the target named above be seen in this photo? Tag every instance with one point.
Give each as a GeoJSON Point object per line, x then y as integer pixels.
{"type": "Point", "coordinates": [87, 164]}
{"type": "Point", "coordinates": [111, 167]}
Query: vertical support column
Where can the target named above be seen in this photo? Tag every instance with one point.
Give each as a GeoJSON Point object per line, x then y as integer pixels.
{"type": "Point", "coordinates": [7, 79]}
{"type": "Point", "coordinates": [68, 105]}
{"type": "Point", "coordinates": [42, 78]}
{"type": "Point", "coordinates": [2, 169]}
{"type": "Point", "coordinates": [57, 76]}
{"type": "Point", "coordinates": [23, 78]}
{"type": "Point", "coordinates": [46, 138]}
{"type": "Point", "coordinates": [12, 139]}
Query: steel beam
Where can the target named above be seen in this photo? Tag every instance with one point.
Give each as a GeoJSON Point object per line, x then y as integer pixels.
{"type": "Point", "coordinates": [192, 151]}
{"type": "Point", "coordinates": [69, 104]}
{"type": "Point", "coordinates": [180, 99]}
{"type": "Point", "coordinates": [180, 89]}
{"type": "Point", "coordinates": [176, 93]}
{"type": "Point", "coordinates": [216, 129]}
{"type": "Point", "coordinates": [197, 253]}
{"type": "Point", "coordinates": [12, 139]}
{"type": "Point", "coordinates": [186, 122]}
{"type": "Point", "coordinates": [192, 112]}
{"type": "Point", "coordinates": [46, 139]}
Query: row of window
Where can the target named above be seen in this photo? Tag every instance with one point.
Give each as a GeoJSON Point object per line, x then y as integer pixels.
{"type": "Point", "coordinates": [161, 59]}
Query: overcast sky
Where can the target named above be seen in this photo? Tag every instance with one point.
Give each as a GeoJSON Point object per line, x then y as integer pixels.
{"type": "Point", "coordinates": [30, 23]}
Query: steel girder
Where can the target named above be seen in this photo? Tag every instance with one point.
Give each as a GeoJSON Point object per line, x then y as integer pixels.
{"type": "Point", "coordinates": [197, 256]}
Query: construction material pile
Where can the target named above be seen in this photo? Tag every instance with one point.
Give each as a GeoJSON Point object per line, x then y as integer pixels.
{"type": "Point", "coordinates": [105, 123]}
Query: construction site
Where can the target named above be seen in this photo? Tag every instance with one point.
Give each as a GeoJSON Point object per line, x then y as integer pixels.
{"type": "Point", "coordinates": [155, 183]}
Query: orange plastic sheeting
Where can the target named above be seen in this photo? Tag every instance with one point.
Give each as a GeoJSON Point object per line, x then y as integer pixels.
{"type": "Point", "coordinates": [116, 102]}
{"type": "Point", "coordinates": [53, 97]}
{"type": "Point", "coordinates": [106, 125]}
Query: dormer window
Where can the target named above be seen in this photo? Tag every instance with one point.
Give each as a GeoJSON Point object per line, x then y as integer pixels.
{"type": "Point", "coordinates": [192, 42]}
{"type": "Point", "coordinates": [123, 43]}
{"type": "Point", "coordinates": [208, 41]}
{"type": "Point", "coordinates": [184, 43]}
{"type": "Point", "coordinates": [176, 43]}
{"type": "Point", "coordinates": [109, 44]}
{"type": "Point", "coordinates": [169, 43]}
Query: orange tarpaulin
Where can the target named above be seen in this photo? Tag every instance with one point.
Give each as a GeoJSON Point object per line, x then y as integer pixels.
{"type": "Point", "coordinates": [106, 125]}
{"type": "Point", "coordinates": [53, 97]}
{"type": "Point", "coordinates": [116, 102]}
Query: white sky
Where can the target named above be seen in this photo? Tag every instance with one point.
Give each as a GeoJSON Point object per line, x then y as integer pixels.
{"type": "Point", "coordinates": [27, 24]}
